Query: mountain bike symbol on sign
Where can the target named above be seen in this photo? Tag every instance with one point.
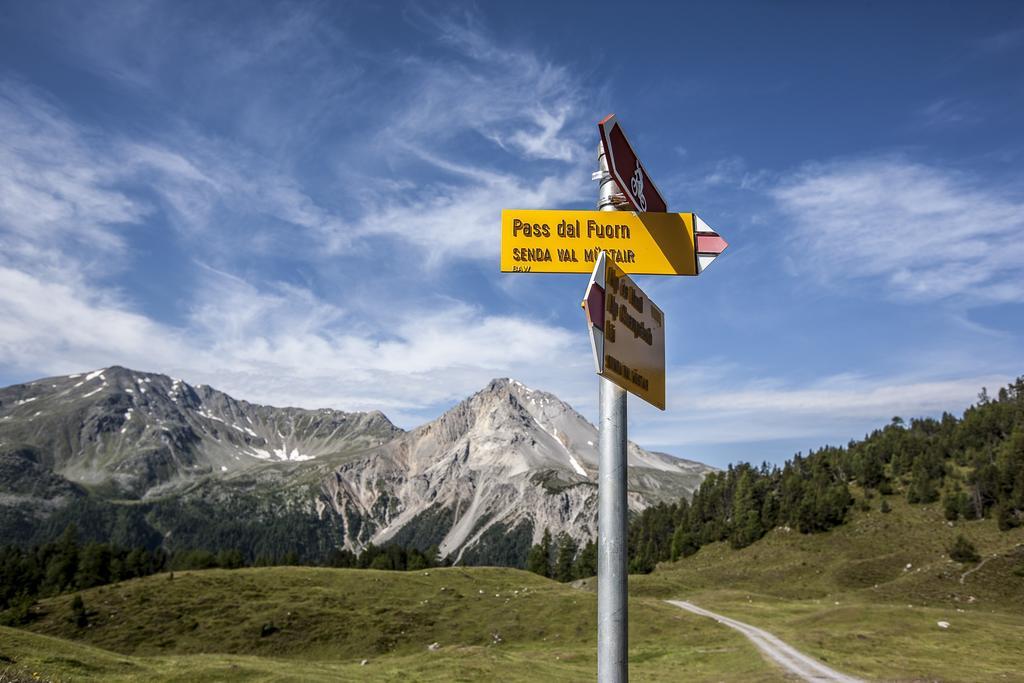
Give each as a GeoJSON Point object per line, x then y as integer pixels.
{"type": "Point", "coordinates": [636, 183]}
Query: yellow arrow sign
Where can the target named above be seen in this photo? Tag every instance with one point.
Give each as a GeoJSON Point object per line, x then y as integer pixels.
{"type": "Point", "coordinates": [546, 241]}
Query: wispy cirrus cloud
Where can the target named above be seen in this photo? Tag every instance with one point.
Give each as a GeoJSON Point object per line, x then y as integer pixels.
{"type": "Point", "coordinates": [73, 194]}
{"type": "Point", "coordinates": [268, 76]}
{"type": "Point", "coordinates": [923, 232]}
{"type": "Point", "coordinates": [55, 188]}
{"type": "Point", "coordinates": [510, 96]}
{"type": "Point", "coordinates": [1003, 41]}
{"type": "Point", "coordinates": [946, 112]}
{"type": "Point", "coordinates": [259, 336]}
{"type": "Point", "coordinates": [482, 128]}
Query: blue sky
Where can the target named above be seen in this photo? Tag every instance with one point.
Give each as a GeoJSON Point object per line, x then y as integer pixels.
{"type": "Point", "coordinates": [299, 203]}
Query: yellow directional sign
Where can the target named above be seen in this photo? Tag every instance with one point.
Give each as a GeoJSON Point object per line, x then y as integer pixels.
{"type": "Point", "coordinates": [545, 241]}
{"type": "Point", "coordinates": [627, 332]}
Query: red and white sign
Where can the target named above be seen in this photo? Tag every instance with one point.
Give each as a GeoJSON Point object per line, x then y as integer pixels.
{"type": "Point", "coordinates": [626, 169]}
{"type": "Point", "coordinates": [708, 244]}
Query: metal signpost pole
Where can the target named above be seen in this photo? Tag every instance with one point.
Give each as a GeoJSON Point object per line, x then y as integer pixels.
{"type": "Point", "coordinates": [612, 618]}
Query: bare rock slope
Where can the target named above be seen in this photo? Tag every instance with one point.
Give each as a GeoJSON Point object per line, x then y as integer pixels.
{"type": "Point", "coordinates": [508, 461]}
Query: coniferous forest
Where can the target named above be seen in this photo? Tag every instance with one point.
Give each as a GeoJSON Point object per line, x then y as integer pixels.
{"type": "Point", "coordinates": [27, 574]}
{"type": "Point", "coordinates": [973, 466]}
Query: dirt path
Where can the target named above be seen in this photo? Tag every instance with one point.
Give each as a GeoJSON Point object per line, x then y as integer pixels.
{"type": "Point", "coordinates": [794, 661]}
{"type": "Point", "coordinates": [977, 567]}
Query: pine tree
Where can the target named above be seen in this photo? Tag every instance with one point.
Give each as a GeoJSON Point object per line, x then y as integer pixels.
{"type": "Point", "coordinates": [62, 564]}
{"type": "Point", "coordinates": [416, 561]}
{"type": "Point", "coordinates": [538, 560]}
{"type": "Point", "coordinates": [684, 543]}
{"type": "Point", "coordinates": [746, 522]}
{"type": "Point", "coordinates": [564, 563]}
{"type": "Point", "coordinates": [93, 566]}
{"type": "Point", "coordinates": [586, 563]}
{"type": "Point", "coordinates": [922, 487]}
{"type": "Point", "coordinates": [870, 469]}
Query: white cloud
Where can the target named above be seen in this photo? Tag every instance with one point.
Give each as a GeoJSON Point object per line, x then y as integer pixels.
{"type": "Point", "coordinates": [925, 233]}
{"type": "Point", "coordinates": [51, 325]}
{"type": "Point", "coordinates": [846, 397]}
{"type": "Point", "coordinates": [283, 345]}
{"type": "Point", "coordinates": [287, 343]}
{"type": "Point", "coordinates": [460, 221]}
{"type": "Point", "coordinates": [719, 409]}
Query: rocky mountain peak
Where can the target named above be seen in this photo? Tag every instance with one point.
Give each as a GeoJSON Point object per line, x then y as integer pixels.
{"type": "Point", "coordinates": [507, 460]}
{"type": "Point", "coordinates": [141, 430]}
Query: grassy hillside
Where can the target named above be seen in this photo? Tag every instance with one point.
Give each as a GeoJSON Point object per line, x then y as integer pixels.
{"type": "Point", "coordinates": [867, 596]}
{"type": "Point", "coordinates": [293, 623]}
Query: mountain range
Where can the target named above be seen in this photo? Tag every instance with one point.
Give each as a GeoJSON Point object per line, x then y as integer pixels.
{"type": "Point", "coordinates": [142, 458]}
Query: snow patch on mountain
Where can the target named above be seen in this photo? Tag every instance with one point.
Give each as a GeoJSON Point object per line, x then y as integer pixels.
{"type": "Point", "coordinates": [576, 466]}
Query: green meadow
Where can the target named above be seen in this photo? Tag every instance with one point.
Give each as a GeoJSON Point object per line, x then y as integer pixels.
{"type": "Point", "coordinates": [296, 623]}
{"type": "Point", "coordinates": [865, 597]}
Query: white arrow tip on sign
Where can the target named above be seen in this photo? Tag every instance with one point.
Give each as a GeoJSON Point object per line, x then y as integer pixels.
{"type": "Point", "coordinates": [700, 226]}
{"type": "Point", "coordinates": [708, 243]}
{"type": "Point", "coordinates": [704, 260]}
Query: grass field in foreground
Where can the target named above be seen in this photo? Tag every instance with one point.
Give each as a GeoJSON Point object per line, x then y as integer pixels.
{"type": "Point", "coordinates": [867, 597]}
{"type": "Point", "coordinates": [490, 624]}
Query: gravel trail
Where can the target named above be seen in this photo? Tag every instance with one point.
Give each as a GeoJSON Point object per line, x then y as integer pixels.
{"type": "Point", "coordinates": [786, 656]}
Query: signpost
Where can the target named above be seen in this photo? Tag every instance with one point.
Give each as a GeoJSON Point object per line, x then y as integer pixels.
{"type": "Point", "coordinates": [612, 510]}
{"type": "Point", "coordinates": [627, 331]}
{"type": "Point", "coordinates": [540, 241]}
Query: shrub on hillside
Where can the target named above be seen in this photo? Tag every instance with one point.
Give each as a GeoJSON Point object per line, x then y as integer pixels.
{"type": "Point", "coordinates": [1006, 518]}
{"type": "Point", "coordinates": [79, 617]}
{"type": "Point", "coordinates": [963, 550]}
{"type": "Point", "coordinates": [19, 613]}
